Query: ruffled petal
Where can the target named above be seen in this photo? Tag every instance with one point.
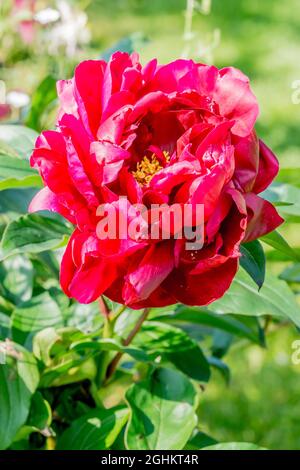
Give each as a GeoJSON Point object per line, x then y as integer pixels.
{"type": "Point", "coordinates": [267, 169]}
{"type": "Point", "coordinates": [262, 217]}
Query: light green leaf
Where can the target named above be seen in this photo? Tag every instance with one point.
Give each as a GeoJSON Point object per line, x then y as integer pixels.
{"type": "Point", "coordinates": [42, 344]}
{"type": "Point", "coordinates": [285, 193]}
{"type": "Point", "coordinates": [18, 279]}
{"type": "Point", "coordinates": [276, 240]}
{"type": "Point", "coordinates": [234, 446]}
{"type": "Point", "coordinates": [17, 173]}
{"type": "Point", "coordinates": [20, 139]}
{"type": "Point", "coordinates": [18, 381]}
{"type": "Point", "coordinates": [97, 430]}
{"type": "Point", "coordinates": [33, 316]}
{"type": "Point", "coordinates": [162, 412]}
{"type": "Point", "coordinates": [275, 298]}
{"type": "Point", "coordinates": [33, 233]}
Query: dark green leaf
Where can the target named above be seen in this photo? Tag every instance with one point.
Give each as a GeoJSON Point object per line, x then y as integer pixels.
{"type": "Point", "coordinates": [44, 95]}
{"type": "Point", "coordinates": [221, 367]}
{"type": "Point", "coordinates": [40, 415]}
{"type": "Point", "coordinates": [235, 325]}
{"type": "Point", "coordinates": [200, 440]}
{"type": "Point", "coordinates": [127, 44]}
{"type": "Point", "coordinates": [175, 345]}
{"type": "Point", "coordinates": [253, 261]}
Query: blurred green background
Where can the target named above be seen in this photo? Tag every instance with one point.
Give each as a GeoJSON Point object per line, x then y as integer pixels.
{"type": "Point", "coordinates": [261, 404]}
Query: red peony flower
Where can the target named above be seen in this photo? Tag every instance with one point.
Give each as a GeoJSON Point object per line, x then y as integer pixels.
{"type": "Point", "coordinates": [181, 133]}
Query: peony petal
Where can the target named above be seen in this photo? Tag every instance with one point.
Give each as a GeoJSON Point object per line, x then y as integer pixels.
{"type": "Point", "coordinates": [236, 100]}
{"type": "Point", "coordinates": [267, 170]}
{"type": "Point", "coordinates": [202, 289]}
{"type": "Point", "coordinates": [88, 82]}
{"type": "Point", "coordinates": [46, 200]}
{"type": "Point", "coordinates": [155, 266]}
{"type": "Point", "coordinates": [262, 217]}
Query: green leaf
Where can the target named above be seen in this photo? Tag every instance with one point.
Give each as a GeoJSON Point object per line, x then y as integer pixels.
{"type": "Point", "coordinates": [234, 446]}
{"type": "Point", "coordinates": [4, 328]}
{"type": "Point", "coordinates": [276, 240]}
{"type": "Point", "coordinates": [44, 95]}
{"type": "Point", "coordinates": [288, 175]}
{"type": "Point", "coordinates": [14, 203]}
{"type": "Point", "coordinates": [33, 316]}
{"type": "Point", "coordinates": [176, 346]}
{"type": "Point", "coordinates": [235, 325]}
{"type": "Point", "coordinates": [109, 344]}
{"type": "Point", "coordinates": [17, 173]}
{"type": "Point", "coordinates": [162, 411]}
{"type": "Point", "coordinates": [18, 279]}
{"type": "Point", "coordinates": [127, 44]}
{"type": "Point", "coordinates": [275, 298]}
{"type": "Point", "coordinates": [40, 415]}
{"type": "Point", "coordinates": [97, 430]}
{"type": "Point", "coordinates": [63, 366]}
{"type": "Point", "coordinates": [253, 261]}
{"type": "Point", "coordinates": [199, 440]}
{"type": "Point", "coordinates": [20, 139]}
{"type": "Point", "coordinates": [69, 369]}
{"type": "Point", "coordinates": [288, 197]}
{"type": "Point", "coordinates": [33, 233]}
{"type": "Point", "coordinates": [221, 367]}
{"type": "Point", "coordinates": [18, 381]}
{"type": "Point", "coordinates": [291, 274]}
{"type": "Point", "coordinates": [42, 344]}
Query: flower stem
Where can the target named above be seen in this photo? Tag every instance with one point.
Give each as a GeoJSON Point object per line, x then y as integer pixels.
{"type": "Point", "coordinates": [114, 363]}
{"type": "Point", "coordinates": [103, 307]}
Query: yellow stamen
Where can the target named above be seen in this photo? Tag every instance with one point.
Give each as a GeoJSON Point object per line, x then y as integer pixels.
{"type": "Point", "coordinates": [148, 167]}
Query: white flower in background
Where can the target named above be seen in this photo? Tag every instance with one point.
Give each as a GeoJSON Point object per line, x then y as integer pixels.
{"type": "Point", "coordinates": [69, 32]}
{"type": "Point", "coordinates": [47, 16]}
{"type": "Point", "coordinates": [17, 99]}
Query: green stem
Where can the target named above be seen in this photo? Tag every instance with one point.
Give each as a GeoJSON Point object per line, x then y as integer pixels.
{"type": "Point", "coordinates": [114, 363]}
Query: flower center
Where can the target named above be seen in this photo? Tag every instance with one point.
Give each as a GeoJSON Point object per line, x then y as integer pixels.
{"type": "Point", "coordinates": [148, 167]}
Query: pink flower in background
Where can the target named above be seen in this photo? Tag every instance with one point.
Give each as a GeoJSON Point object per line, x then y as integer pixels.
{"type": "Point", "coordinates": [181, 133]}
{"type": "Point", "coordinates": [26, 27]}
{"type": "Point", "coordinates": [5, 111]}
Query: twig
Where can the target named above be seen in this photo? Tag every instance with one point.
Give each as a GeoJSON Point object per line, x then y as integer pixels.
{"type": "Point", "coordinates": [113, 365]}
